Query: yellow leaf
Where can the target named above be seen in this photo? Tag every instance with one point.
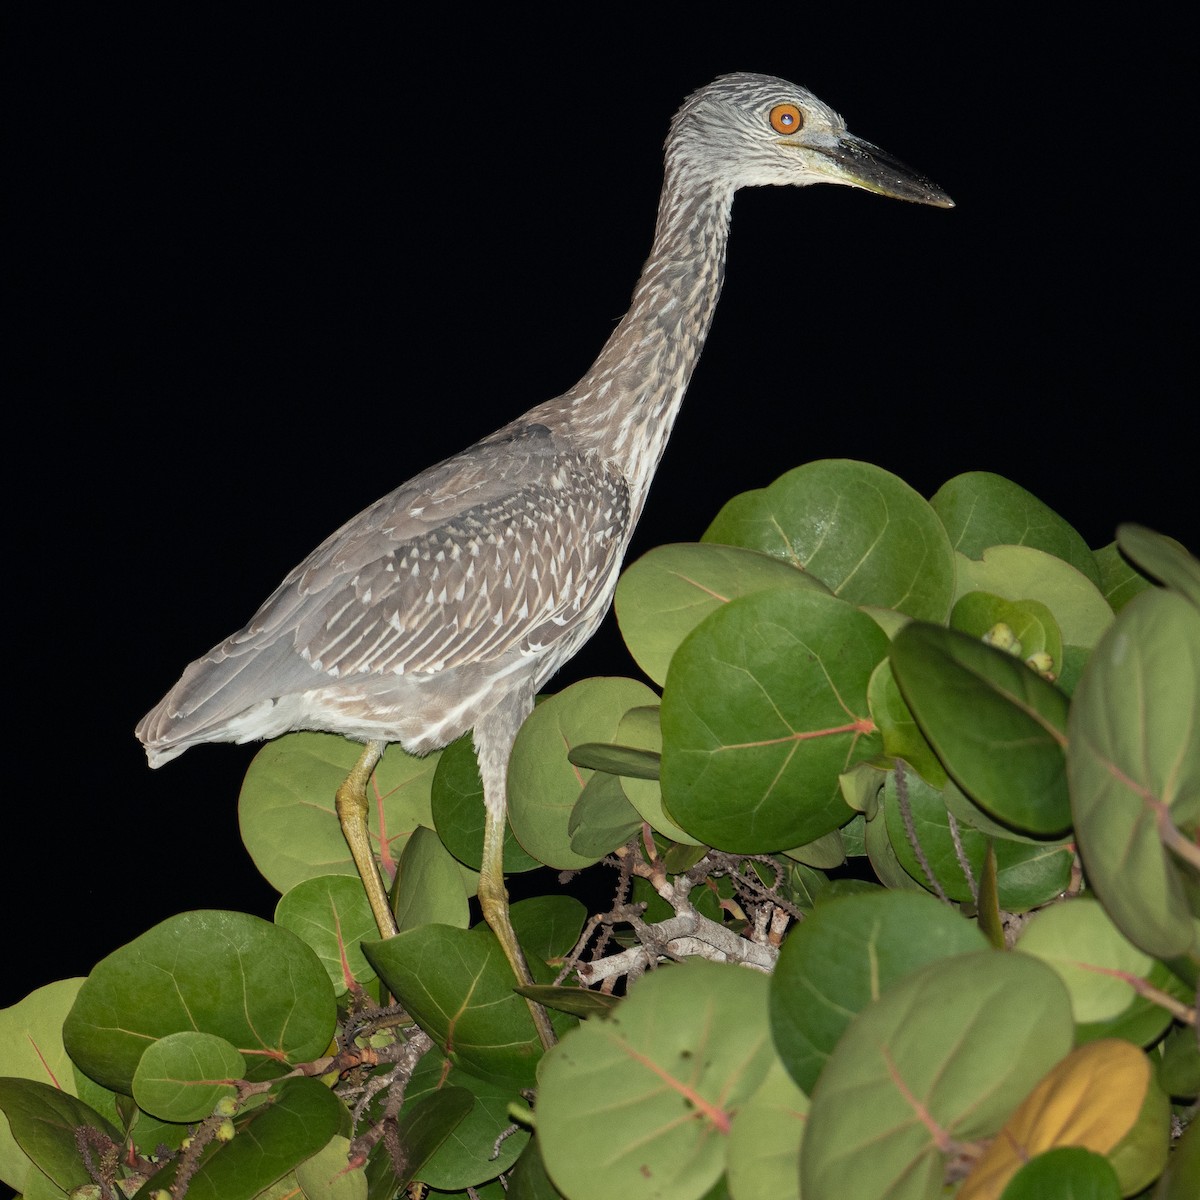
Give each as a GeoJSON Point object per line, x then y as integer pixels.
{"type": "Point", "coordinates": [1091, 1098]}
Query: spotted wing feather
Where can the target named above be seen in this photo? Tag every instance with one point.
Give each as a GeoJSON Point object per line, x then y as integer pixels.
{"type": "Point", "coordinates": [504, 549]}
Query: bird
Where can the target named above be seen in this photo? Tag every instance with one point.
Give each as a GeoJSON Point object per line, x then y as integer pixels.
{"type": "Point", "coordinates": [447, 605]}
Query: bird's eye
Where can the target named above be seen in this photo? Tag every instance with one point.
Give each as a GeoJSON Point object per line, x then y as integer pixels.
{"type": "Point", "coordinates": [786, 118]}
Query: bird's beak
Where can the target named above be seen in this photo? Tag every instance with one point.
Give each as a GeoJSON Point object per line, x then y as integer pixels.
{"type": "Point", "coordinates": [852, 161]}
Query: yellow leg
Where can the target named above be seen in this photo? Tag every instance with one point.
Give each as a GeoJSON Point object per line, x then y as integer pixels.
{"type": "Point", "coordinates": [493, 899]}
{"type": "Point", "coordinates": [353, 812]}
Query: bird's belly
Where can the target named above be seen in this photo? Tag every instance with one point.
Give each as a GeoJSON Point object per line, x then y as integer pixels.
{"type": "Point", "coordinates": [422, 712]}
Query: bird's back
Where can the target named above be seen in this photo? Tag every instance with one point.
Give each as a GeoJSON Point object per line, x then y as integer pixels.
{"type": "Point", "coordinates": [479, 574]}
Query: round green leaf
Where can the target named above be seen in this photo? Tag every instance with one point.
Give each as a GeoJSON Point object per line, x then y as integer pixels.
{"type": "Point", "coordinates": [1163, 557]}
{"type": "Point", "coordinates": [458, 812]}
{"type": "Point", "coordinates": [430, 889]}
{"type": "Point", "coordinates": [765, 707]}
{"type": "Point", "coordinates": [1179, 1180]}
{"type": "Point", "coordinates": [182, 1076]}
{"type": "Point", "coordinates": [1023, 573]}
{"type": "Point", "coordinates": [980, 510]}
{"type": "Point", "coordinates": [602, 818]}
{"type": "Point", "coordinates": [1179, 1068]}
{"type": "Point", "coordinates": [543, 785]}
{"type": "Point", "coordinates": [330, 913]}
{"type": "Point", "coordinates": [1096, 963]}
{"type": "Point", "coordinates": [1030, 624]}
{"type": "Point", "coordinates": [998, 728]}
{"type": "Point", "coordinates": [325, 1176]}
{"type": "Point", "coordinates": [291, 785]}
{"type": "Point", "coordinates": [469, 1157]}
{"type": "Point", "coordinates": [426, 1126]}
{"type": "Point", "coordinates": [902, 737]}
{"type": "Point", "coordinates": [1135, 770]}
{"type": "Point", "coordinates": [661, 1078]}
{"type": "Point", "coordinates": [31, 1048]}
{"type": "Point", "coordinates": [860, 530]}
{"type": "Point", "coordinates": [765, 1138]}
{"type": "Point", "coordinates": [943, 1055]}
{"type": "Point", "coordinates": [548, 926]}
{"type": "Point", "coordinates": [1029, 873]}
{"type": "Point", "coordinates": [298, 1120]}
{"type": "Point", "coordinates": [1119, 581]}
{"type": "Point", "coordinates": [663, 596]}
{"type": "Point", "coordinates": [642, 727]}
{"type": "Point", "coordinates": [1068, 1173]}
{"type": "Point", "coordinates": [458, 986]}
{"type": "Point", "coordinates": [41, 1122]}
{"type": "Point", "coordinates": [843, 956]}
{"type": "Point", "coordinates": [229, 974]}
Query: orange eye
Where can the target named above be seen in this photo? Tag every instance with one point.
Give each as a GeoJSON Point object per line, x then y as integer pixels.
{"type": "Point", "coordinates": [786, 118]}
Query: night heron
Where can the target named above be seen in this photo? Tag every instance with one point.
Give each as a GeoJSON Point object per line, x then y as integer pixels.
{"type": "Point", "coordinates": [447, 604]}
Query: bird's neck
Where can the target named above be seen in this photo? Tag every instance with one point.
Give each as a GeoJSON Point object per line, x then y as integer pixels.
{"type": "Point", "coordinates": [625, 406]}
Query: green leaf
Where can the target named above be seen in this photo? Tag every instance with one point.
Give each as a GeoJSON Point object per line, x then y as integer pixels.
{"type": "Point", "coordinates": [980, 510]}
{"type": "Point", "coordinates": [998, 728]}
{"type": "Point", "coordinates": [1023, 573]}
{"type": "Point", "coordinates": [991, 923]}
{"type": "Point", "coordinates": [1068, 1173]}
{"type": "Point", "coordinates": [765, 707]}
{"type": "Point", "coordinates": [1163, 557]}
{"type": "Point", "coordinates": [764, 1140]}
{"type": "Point", "coordinates": [858, 529]}
{"type": "Point", "coordinates": [31, 1048]}
{"type": "Point", "coordinates": [826, 852]}
{"type": "Point", "coordinates": [1096, 963]}
{"type": "Point", "coordinates": [543, 785]}
{"type": "Point", "coordinates": [529, 1180]}
{"type": "Point", "coordinates": [847, 953]}
{"type": "Point", "coordinates": [298, 1120]}
{"type": "Point", "coordinates": [1119, 581]}
{"type": "Point", "coordinates": [902, 736]}
{"type": "Point", "coordinates": [473, 1152]}
{"type": "Point", "coordinates": [1135, 770]}
{"type": "Point", "coordinates": [1029, 873]}
{"type": "Point", "coordinates": [627, 761]}
{"type": "Point", "coordinates": [602, 818]}
{"type": "Point", "coordinates": [291, 785]}
{"type": "Point", "coordinates": [330, 913]}
{"type": "Point", "coordinates": [663, 596]}
{"type": "Point", "coordinates": [182, 1076]}
{"type": "Point", "coordinates": [548, 926]}
{"type": "Point", "coordinates": [1178, 1181]}
{"type": "Point", "coordinates": [326, 1177]}
{"type": "Point", "coordinates": [229, 974]}
{"type": "Point", "coordinates": [458, 986]}
{"type": "Point", "coordinates": [1179, 1067]}
{"type": "Point", "coordinates": [1036, 639]}
{"type": "Point", "coordinates": [426, 1126]}
{"type": "Point", "coordinates": [642, 728]}
{"type": "Point", "coordinates": [661, 1078]}
{"type": "Point", "coordinates": [458, 812]}
{"type": "Point", "coordinates": [945, 1055]}
{"type": "Point", "coordinates": [43, 1120]}
{"type": "Point", "coordinates": [579, 1002]}
{"type": "Point", "coordinates": [430, 883]}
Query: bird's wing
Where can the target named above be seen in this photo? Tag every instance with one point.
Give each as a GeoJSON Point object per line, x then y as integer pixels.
{"type": "Point", "coordinates": [517, 559]}
{"type": "Point", "coordinates": [510, 544]}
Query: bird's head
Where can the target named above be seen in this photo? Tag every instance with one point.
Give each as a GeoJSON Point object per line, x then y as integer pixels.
{"type": "Point", "coordinates": [744, 130]}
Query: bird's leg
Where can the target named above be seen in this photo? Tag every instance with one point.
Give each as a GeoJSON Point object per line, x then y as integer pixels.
{"type": "Point", "coordinates": [493, 738]}
{"type": "Point", "coordinates": [353, 811]}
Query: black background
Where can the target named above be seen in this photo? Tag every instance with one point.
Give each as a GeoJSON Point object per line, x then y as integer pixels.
{"type": "Point", "coordinates": [272, 265]}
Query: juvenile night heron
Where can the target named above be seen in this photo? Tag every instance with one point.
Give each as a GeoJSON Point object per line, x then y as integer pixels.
{"type": "Point", "coordinates": [448, 603]}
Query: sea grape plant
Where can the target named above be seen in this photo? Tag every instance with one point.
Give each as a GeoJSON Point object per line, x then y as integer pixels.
{"type": "Point", "coordinates": [894, 891]}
